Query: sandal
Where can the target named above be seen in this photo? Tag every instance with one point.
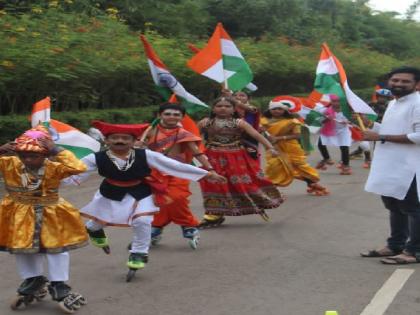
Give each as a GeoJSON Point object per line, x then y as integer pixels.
{"type": "Point", "coordinates": [383, 252]}
{"type": "Point", "coordinates": [402, 259]}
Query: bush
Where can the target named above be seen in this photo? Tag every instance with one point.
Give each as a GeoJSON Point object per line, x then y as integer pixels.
{"type": "Point", "coordinates": [13, 125]}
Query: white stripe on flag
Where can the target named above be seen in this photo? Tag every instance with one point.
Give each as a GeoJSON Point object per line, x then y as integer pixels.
{"type": "Point", "coordinates": [229, 49]}
{"type": "Point", "coordinates": [215, 72]}
{"type": "Point", "coordinates": [356, 103]}
{"type": "Point", "coordinates": [78, 138]}
{"type": "Point", "coordinates": [327, 66]}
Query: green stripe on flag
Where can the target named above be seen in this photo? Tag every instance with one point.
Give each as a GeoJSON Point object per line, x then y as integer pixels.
{"type": "Point", "coordinates": [330, 84]}
{"type": "Point", "coordinates": [243, 74]}
{"type": "Point", "coordinates": [79, 152]}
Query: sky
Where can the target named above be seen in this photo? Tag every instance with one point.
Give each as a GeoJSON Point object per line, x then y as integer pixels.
{"type": "Point", "coordinates": [400, 6]}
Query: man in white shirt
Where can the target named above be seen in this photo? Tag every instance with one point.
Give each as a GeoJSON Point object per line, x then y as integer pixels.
{"type": "Point", "coordinates": [396, 166]}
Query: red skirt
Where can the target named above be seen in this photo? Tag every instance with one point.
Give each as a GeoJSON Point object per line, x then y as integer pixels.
{"type": "Point", "coordinates": [247, 191]}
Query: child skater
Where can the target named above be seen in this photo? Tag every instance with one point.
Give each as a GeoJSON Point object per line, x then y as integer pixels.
{"type": "Point", "coordinates": [335, 131]}
{"type": "Point", "coordinates": [170, 139]}
{"type": "Point", "coordinates": [125, 196]}
{"type": "Point", "coordinates": [35, 223]}
{"type": "Point", "coordinates": [246, 191]}
{"type": "Point", "coordinates": [284, 131]}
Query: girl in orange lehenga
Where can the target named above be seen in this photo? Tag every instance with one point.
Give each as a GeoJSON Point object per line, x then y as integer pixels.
{"type": "Point", "coordinates": [284, 131]}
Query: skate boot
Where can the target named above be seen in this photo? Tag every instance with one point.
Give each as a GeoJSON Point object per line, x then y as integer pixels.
{"type": "Point", "coordinates": [135, 262]}
{"type": "Point", "coordinates": [323, 164]}
{"type": "Point", "coordinates": [156, 235]}
{"type": "Point", "coordinates": [192, 234]}
{"type": "Point", "coordinates": [356, 154]}
{"type": "Point", "coordinates": [99, 239]}
{"type": "Point", "coordinates": [346, 170]}
{"type": "Point", "coordinates": [366, 164]}
{"type": "Point", "coordinates": [317, 190]}
{"type": "Point", "coordinates": [205, 223]}
{"type": "Point", "coordinates": [68, 301]}
{"type": "Point", "coordinates": [32, 289]}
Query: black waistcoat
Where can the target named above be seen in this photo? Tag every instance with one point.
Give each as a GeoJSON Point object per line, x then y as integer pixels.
{"type": "Point", "coordinates": [138, 170]}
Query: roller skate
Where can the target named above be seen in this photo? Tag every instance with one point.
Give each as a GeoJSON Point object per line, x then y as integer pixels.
{"type": "Point", "coordinates": [31, 289]}
{"type": "Point", "coordinates": [366, 164]}
{"type": "Point", "coordinates": [192, 234]}
{"type": "Point", "coordinates": [356, 154]}
{"type": "Point", "coordinates": [323, 164]}
{"type": "Point", "coordinates": [67, 300]}
{"type": "Point", "coordinates": [346, 170]}
{"type": "Point", "coordinates": [99, 239]}
{"type": "Point", "coordinates": [317, 190]}
{"type": "Point", "coordinates": [264, 216]}
{"type": "Point", "coordinates": [135, 262]}
{"type": "Point", "coordinates": [156, 235]}
{"type": "Point", "coordinates": [205, 223]}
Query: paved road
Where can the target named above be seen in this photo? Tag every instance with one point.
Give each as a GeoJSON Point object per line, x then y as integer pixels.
{"type": "Point", "coordinates": [304, 262]}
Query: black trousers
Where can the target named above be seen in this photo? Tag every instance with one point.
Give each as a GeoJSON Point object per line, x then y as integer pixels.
{"type": "Point", "coordinates": [345, 153]}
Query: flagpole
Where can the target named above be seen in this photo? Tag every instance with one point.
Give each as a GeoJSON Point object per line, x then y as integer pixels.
{"type": "Point", "coordinates": [360, 122]}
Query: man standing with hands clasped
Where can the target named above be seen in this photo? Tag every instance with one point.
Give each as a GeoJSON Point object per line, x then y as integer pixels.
{"type": "Point", "coordinates": [395, 171]}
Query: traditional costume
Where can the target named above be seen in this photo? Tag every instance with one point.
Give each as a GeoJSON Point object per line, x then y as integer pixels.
{"type": "Point", "coordinates": [125, 196]}
{"type": "Point", "coordinates": [173, 143]}
{"type": "Point", "coordinates": [36, 223]}
{"type": "Point", "coordinates": [291, 161]}
{"type": "Point", "coordinates": [247, 191]}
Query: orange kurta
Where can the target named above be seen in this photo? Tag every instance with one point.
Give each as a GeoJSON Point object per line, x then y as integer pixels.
{"type": "Point", "coordinates": [33, 221]}
{"type": "Point", "coordinates": [172, 142]}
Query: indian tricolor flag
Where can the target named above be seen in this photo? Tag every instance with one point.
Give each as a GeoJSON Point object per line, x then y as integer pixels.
{"type": "Point", "coordinates": [331, 79]}
{"type": "Point", "coordinates": [250, 87]}
{"type": "Point", "coordinates": [167, 84]}
{"type": "Point", "coordinates": [63, 135]}
{"type": "Point", "coordinates": [222, 61]}
{"type": "Point", "coordinates": [41, 111]}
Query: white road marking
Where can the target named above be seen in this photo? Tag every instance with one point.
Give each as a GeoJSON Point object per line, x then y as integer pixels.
{"type": "Point", "coordinates": [384, 297]}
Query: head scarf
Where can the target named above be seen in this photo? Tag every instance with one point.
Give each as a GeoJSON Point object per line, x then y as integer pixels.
{"type": "Point", "coordinates": [29, 140]}
{"type": "Point", "coordinates": [289, 103]}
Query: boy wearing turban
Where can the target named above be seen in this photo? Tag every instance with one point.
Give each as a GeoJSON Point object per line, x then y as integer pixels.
{"type": "Point", "coordinates": [35, 223]}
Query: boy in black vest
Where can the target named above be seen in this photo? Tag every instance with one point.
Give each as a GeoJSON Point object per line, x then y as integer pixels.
{"type": "Point", "coordinates": [125, 196]}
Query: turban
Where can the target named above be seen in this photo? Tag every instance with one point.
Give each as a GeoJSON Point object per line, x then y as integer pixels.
{"type": "Point", "coordinates": [29, 141]}
{"type": "Point", "coordinates": [132, 129]}
{"type": "Point", "coordinates": [289, 103]}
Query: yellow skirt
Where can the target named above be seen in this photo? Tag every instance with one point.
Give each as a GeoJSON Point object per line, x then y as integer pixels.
{"type": "Point", "coordinates": [52, 227]}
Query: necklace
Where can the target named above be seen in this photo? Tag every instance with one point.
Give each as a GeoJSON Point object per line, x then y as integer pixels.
{"type": "Point", "coordinates": [31, 180]}
{"type": "Point", "coordinates": [127, 164]}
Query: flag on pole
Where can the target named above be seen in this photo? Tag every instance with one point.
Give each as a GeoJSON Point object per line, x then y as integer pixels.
{"type": "Point", "coordinates": [41, 112]}
{"type": "Point", "coordinates": [331, 78]}
{"type": "Point", "coordinates": [64, 135]}
{"type": "Point", "coordinates": [222, 61]}
{"type": "Point", "coordinates": [250, 87]}
{"type": "Point", "coordinates": [74, 140]}
{"type": "Point", "coordinates": [167, 84]}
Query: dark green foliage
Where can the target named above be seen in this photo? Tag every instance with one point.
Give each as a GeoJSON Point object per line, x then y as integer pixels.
{"type": "Point", "coordinates": [86, 53]}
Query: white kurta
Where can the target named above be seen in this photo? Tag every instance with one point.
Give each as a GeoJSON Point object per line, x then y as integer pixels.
{"type": "Point", "coordinates": [342, 135]}
{"type": "Point", "coordinates": [394, 165]}
{"type": "Point", "coordinates": [112, 212]}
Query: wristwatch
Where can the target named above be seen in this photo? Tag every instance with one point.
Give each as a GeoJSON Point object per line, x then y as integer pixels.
{"type": "Point", "coordinates": [382, 138]}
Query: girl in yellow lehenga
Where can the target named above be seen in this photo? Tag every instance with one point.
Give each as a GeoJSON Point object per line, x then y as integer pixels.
{"type": "Point", "coordinates": [284, 130]}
